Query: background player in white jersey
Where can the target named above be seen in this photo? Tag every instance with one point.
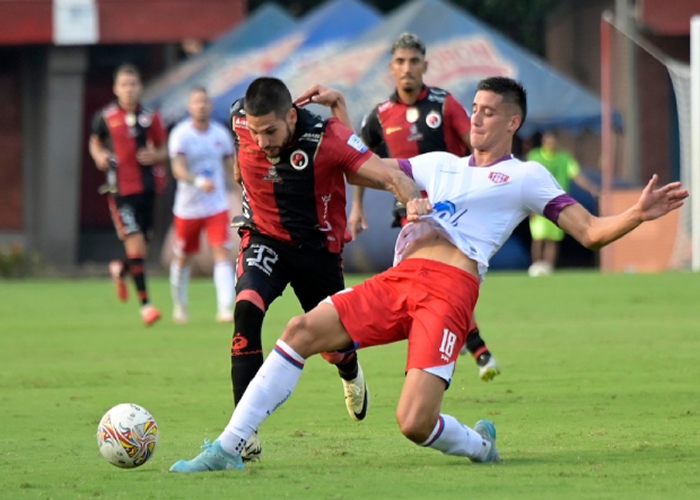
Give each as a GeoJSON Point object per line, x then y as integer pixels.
{"type": "Point", "coordinates": [201, 151]}
{"type": "Point", "coordinates": [429, 296]}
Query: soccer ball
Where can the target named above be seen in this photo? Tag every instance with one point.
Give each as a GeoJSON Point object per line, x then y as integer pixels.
{"type": "Point", "coordinates": [127, 436]}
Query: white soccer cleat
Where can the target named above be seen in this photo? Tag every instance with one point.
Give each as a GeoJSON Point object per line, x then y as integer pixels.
{"type": "Point", "coordinates": [253, 449]}
{"type": "Point", "coordinates": [489, 370]}
{"type": "Point", "coordinates": [180, 315]}
{"type": "Point", "coordinates": [225, 316]}
{"type": "Point", "coordinates": [356, 395]}
{"type": "Point", "coordinates": [540, 268]}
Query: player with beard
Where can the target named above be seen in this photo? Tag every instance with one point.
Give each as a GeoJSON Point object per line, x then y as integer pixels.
{"type": "Point", "coordinates": [427, 298]}
{"type": "Point", "coordinates": [293, 166]}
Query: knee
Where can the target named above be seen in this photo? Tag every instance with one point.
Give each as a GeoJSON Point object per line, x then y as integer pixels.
{"type": "Point", "coordinates": [297, 330]}
{"type": "Point", "coordinates": [415, 426]}
{"type": "Point", "coordinates": [300, 336]}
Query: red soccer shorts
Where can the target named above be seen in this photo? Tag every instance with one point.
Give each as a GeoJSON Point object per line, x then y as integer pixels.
{"type": "Point", "coordinates": [187, 232]}
{"type": "Point", "coordinates": [427, 302]}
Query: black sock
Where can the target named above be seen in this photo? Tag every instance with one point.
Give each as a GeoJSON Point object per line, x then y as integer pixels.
{"type": "Point", "coordinates": [348, 367]}
{"type": "Point", "coordinates": [138, 273]}
{"type": "Point", "coordinates": [477, 347]}
{"type": "Point", "coordinates": [246, 346]}
{"type": "Point", "coordinates": [125, 267]}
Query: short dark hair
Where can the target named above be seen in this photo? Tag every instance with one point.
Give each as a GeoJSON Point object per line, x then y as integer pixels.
{"type": "Point", "coordinates": [129, 69]}
{"type": "Point", "coordinates": [267, 95]}
{"type": "Point", "coordinates": [512, 91]}
{"type": "Point", "coordinates": [199, 88]}
{"type": "Point", "coordinates": [408, 41]}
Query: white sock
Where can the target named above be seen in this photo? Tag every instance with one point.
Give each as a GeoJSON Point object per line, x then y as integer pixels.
{"type": "Point", "coordinates": [271, 387]}
{"type": "Point", "coordinates": [179, 282]}
{"type": "Point", "coordinates": [223, 281]}
{"type": "Point", "coordinates": [452, 437]}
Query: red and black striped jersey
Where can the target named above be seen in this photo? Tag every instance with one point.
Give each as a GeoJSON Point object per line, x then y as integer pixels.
{"type": "Point", "coordinates": [299, 197]}
{"type": "Point", "coordinates": [123, 134]}
{"type": "Point", "coordinates": [436, 122]}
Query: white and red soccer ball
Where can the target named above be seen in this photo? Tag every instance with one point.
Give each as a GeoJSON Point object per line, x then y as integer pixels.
{"type": "Point", "coordinates": [127, 436]}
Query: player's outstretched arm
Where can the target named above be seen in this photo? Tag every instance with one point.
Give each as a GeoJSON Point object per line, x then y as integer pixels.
{"type": "Point", "coordinates": [385, 174]}
{"type": "Point", "coordinates": [326, 96]}
{"type": "Point", "coordinates": [596, 232]}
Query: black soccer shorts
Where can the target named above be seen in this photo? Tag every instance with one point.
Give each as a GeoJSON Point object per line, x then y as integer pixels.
{"type": "Point", "coordinates": [267, 266]}
{"type": "Point", "coordinates": [132, 213]}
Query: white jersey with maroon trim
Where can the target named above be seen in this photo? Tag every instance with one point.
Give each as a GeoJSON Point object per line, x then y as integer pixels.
{"type": "Point", "coordinates": [477, 208]}
{"type": "Point", "coordinates": [205, 153]}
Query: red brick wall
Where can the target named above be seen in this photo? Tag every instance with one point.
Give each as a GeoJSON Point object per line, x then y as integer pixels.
{"type": "Point", "coordinates": [126, 21]}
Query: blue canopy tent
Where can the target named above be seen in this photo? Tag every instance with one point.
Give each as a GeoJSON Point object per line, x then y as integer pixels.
{"type": "Point", "coordinates": [462, 51]}
{"type": "Point", "coordinates": [321, 33]}
{"type": "Point", "coordinates": [169, 93]}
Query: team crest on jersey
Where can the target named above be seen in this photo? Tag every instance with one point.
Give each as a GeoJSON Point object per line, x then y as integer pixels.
{"type": "Point", "coordinates": [498, 177]}
{"type": "Point", "coordinates": [414, 134]}
{"type": "Point", "coordinates": [272, 175]}
{"type": "Point", "coordinates": [145, 119]}
{"type": "Point", "coordinates": [299, 159]}
{"type": "Point", "coordinates": [433, 120]}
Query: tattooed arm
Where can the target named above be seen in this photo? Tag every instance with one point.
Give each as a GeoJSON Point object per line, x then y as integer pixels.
{"type": "Point", "coordinates": [385, 174]}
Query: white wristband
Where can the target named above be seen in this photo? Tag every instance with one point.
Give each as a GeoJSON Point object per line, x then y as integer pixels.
{"type": "Point", "coordinates": [199, 181]}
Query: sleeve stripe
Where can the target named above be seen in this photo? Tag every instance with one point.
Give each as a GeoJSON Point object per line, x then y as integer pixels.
{"type": "Point", "coordinates": [406, 167]}
{"type": "Point", "coordinates": [555, 206]}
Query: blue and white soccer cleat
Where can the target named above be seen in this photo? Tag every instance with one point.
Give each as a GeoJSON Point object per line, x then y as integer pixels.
{"type": "Point", "coordinates": [211, 459]}
{"type": "Point", "coordinates": [488, 432]}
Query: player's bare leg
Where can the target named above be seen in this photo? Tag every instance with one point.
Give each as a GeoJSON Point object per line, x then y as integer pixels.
{"type": "Point", "coordinates": [420, 420]}
{"type": "Point", "coordinates": [550, 253]}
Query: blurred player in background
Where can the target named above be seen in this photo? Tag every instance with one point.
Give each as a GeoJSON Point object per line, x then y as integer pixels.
{"type": "Point", "coordinates": [128, 142]}
{"type": "Point", "coordinates": [546, 236]}
{"type": "Point", "coordinates": [201, 152]}
{"type": "Point", "coordinates": [418, 119]}
{"type": "Point", "coordinates": [429, 296]}
{"type": "Point", "coordinates": [293, 166]}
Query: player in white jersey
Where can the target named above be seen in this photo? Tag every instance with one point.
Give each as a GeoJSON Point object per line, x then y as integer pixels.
{"type": "Point", "coordinates": [200, 151]}
{"type": "Point", "coordinates": [428, 298]}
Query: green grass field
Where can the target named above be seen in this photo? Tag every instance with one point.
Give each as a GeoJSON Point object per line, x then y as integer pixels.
{"type": "Point", "coordinates": [599, 397]}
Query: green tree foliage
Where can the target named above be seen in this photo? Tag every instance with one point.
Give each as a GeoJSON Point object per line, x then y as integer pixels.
{"type": "Point", "coordinates": [520, 20]}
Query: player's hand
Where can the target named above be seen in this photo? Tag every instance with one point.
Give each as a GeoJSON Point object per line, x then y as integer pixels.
{"type": "Point", "coordinates": [102, 160]}
{"type": "Point", "coordinates": [655, 203]}
{"type": "Point", "coordinates": [417, 207]}
{"type": "Point", "coordinates": [205, 184]}
{"type": "Point", "coordinates": [320, 94]}
{"type": "Point", "coordinates": [147, 155]}
{"type": "Point", "coordinates": [357, 222]}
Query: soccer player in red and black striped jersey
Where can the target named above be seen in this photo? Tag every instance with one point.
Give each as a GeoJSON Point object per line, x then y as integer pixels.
{"type": "Point", "coordinates": [418, 119]}
{"type": "Point", "coordinates": [293, 167]}
{"type": "Point", "coordinates": [128, 142]}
